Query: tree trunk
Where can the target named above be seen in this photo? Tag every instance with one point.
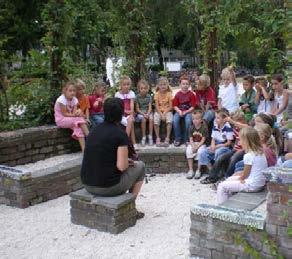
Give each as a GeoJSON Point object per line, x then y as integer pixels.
{"type": "Point", "coordinates": [159, 53]}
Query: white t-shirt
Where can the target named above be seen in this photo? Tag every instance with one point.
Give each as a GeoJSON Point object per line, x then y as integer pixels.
{"type": "Point", "coordinates": [256, 178]}
{"type": "Point", "coordinates": [229, 97]}
{"type": "Point", "coordinates": [265, 106]}
{"type": "Point", "coordinates": [129, 95]}
{"type": "Point", "coordinates": [68, 103]}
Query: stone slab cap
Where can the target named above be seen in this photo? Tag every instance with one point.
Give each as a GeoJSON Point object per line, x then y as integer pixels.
{"type": "Point", "coordinates": [236, 216]}
{"type": "Point", "coordinates": [13, 173]}
{"type": "Point", "coordinates": [66, 165]}
{"type": "Point", "coordinates": [110, 202]}
{"type": "Point", "coordinates": [279, 175]}
{"type": "Point", "coordinates": [23, 132]}
{"type": "Point", "coordinates": [31, 171]}
{"type": "Point", "coordinates": [161, 150]}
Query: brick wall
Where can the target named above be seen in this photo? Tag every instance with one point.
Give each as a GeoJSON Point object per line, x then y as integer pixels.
{"type": "Point", "coordinates": [34, 144]}
{"type": "Point", "coordinates": [164, 160]}
{"type": "Point", "coordinates": [216, 231]}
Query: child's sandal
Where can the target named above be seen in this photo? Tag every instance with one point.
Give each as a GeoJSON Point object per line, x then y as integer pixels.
{"type": "Point", "coordinates": [158, 142]}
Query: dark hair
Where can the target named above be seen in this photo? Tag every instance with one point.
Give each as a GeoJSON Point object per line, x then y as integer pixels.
{"type": "Point", "coordinates": [262, 80]}
{"type": "Point", "coordinates": [249, 78]}
{"type": "Point", "coordinates": [223, 113]}
{"type": "Point", "coordinates": [184, 77]}
{"type": "Point", "coordinates": [113, 110]}
{"type": "Point", "coordinates": [278, 77]}
{"type": "Point", "coordinates": [197, 111]}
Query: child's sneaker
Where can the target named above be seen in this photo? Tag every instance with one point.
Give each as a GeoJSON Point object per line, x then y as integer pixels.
{"type": "Point", "coordinates": [143, 141]}
{"type": "Point", "coordinates": [190, 174]}
{"type": "Point", "coordinates": [150, 140]}
{"type": "Point", "coordinates": [198, 174]}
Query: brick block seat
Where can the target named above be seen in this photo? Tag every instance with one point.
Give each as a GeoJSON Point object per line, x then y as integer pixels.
{"type": "Point", "coordinates": [163, 160]}
{"type": "Point", "coordinates": [242, 230]}
{"type": "Point", "coordinates": [107, 214]}
{"type": "Point", "coordinates": [26, 185]}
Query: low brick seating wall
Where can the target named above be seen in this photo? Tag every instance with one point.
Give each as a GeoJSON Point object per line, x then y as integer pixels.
{"type": "Point", "coordinates": [108, 214]}
{"type": "Point", "coordinates": [163, 160]}
{"type": "Point", "coordinates": [34, 144]}
{"type": "Point", "coordinates": [220, 232]}
{"type": "Point", "coordinates": [27, 185]}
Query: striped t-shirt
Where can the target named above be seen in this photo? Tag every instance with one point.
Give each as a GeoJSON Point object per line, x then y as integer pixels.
{"type": "Point", "coordinates": [221, 135]}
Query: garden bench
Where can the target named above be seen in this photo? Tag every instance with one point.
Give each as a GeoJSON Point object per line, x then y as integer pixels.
{"type": "Point", "coordinates": [245, 200]}
{"type": "Point", "coordinates": [26, 185]}
{"type": "Point", "coordinates": [107, 214]}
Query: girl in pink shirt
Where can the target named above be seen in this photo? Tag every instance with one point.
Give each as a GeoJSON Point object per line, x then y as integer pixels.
{"type": "Point", "coordinates": [68, 116]}
{"type": "Point", "coordinates": [268, 143]}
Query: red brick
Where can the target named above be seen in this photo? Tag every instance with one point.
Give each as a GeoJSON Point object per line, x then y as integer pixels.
{"type": "Point", "coordinates": [276, 187]}
{"type": "Point", "coordinates": [286, 199]}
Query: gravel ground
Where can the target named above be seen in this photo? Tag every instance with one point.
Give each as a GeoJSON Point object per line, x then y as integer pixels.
{"type": "Point", "coordinates": [45, 231]}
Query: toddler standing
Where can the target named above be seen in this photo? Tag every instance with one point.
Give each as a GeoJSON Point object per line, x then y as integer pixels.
{"type": "Point", "coordinates": [251, 179]}
{"type": "Point", "coordinates": [67, 114]}
{"type": "Point", "coordinates": [198, 133]}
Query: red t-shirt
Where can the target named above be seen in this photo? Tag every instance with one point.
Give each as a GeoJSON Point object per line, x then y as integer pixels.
{"type": "Point", "coordinates": [184, 101]}
{"type": "Point", "coordinates": [270, 156]}
{"type": "Point", "coordinates": [92, 99]}
{"type": "Point", "coordinates": [207, 95]}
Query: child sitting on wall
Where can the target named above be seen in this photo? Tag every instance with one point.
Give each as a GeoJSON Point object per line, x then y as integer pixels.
{"type": "Point", "coordinates": [96, 101]}
{"type": "Point", "coordinates": [67, 114]}
{"type": "Point", "coordinates": [83, 102]}
{"type": "Point", "coordinates": [144, 111]}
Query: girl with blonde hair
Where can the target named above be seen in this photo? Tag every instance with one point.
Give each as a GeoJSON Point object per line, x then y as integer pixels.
{"type": "Point", "coordinates": [251, 179]}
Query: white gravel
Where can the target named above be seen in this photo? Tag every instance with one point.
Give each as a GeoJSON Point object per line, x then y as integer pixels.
{"type": "Point", "coordinates": [45, 230]}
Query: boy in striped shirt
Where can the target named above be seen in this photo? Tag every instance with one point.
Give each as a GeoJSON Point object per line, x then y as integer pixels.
{"type": "Point", "coordinates": [222, 137]}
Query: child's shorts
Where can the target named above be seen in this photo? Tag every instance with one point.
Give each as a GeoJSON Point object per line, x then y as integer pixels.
{"type": "Point", "coordinates": [157, 118]}
{"type": "Point", "coordinates": [190, 154]}
{"type": "Point", "coordinates": [139, 117]}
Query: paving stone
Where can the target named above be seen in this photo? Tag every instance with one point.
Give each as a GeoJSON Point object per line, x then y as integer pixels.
{"type": "Point", "coordinates": [232, 204]}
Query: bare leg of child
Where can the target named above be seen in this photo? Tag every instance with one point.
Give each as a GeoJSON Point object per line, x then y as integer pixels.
{"type": "Point", "coordinates": [150, 127]}
{"type": "Point", "coordinates": [84, 129]}
{"type": "Point", "coordinates": [156, 129]}
{"type": "Point", "coordinates": [143, 127]}
{"type": "Point", "coordinates": [168, 130]}
{"type": "Point", "coordinates": [191, 164]}
{"type": "Point", "coordinates": [129, 126]}
{"type": "Point", "coordinates": [82, 143]}
{"type": "Point", "coordinates": [133, 137]}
